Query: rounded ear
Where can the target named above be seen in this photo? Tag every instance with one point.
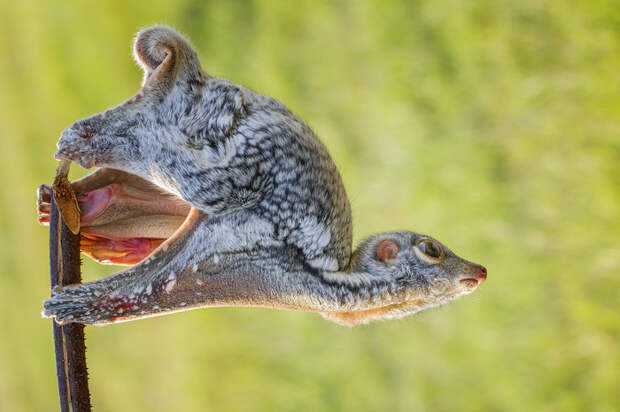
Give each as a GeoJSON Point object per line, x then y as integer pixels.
{"type": "Point", "coordinates": [387, 250]}
{"type": "Point", "coordinates": [163, 53]}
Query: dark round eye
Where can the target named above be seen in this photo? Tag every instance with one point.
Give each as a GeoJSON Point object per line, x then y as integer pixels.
{"type": "Point", "coordinates": [430, 250]}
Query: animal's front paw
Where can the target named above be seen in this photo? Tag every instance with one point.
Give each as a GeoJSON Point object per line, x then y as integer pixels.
{"type": "Point", "coordinates": [44, 198]}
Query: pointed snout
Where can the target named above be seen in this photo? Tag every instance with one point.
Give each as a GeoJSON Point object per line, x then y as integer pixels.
{"type": "Point", "coordinates": [481, 276]}
{"type": "Point", "coordinates": [474, 276]}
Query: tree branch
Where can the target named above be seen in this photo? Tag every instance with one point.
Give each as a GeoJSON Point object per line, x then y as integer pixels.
{"type": "Point", "coordinates": [64, 270]}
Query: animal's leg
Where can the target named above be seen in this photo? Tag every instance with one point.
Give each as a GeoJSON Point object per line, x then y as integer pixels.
{"type": "Point", "coordinates": [162, 283]}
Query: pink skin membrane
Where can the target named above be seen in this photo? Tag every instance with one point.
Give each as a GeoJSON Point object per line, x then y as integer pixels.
{"type": "Point", "coordinates": [113, 219]}
{"type": "Point", "coordinates": [122, 225]}
{"type": "Point", "coordinates": [122, 222]}
{"type": "Point", "coordinates": [118, 251]}
{"type": "Point", "coordinates": [94, 203]}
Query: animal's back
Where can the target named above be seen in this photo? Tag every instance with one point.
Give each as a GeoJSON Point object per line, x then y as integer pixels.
{"type": "Point", "coordinates": [307, 203]}
{"type": "Point", "coordinates": [242, 158]}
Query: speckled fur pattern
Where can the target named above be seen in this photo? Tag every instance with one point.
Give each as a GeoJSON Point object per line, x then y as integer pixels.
{"type": "Point", "coordinates": [222, 148]}
{"type": "Point", "coordinates": [273, 223]}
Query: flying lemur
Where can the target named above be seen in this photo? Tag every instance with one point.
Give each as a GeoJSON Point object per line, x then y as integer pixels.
{"type": "Point", "coordinates": [219, 196]}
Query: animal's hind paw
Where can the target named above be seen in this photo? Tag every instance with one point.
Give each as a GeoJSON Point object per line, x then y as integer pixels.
{"type": "Point", "coordinates": [72, 304]}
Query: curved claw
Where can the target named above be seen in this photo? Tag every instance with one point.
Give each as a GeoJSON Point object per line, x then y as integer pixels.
{"type": "Point", "coordinates": [44, 196]}
{"type": "Point", "coordinates": [70, 304]}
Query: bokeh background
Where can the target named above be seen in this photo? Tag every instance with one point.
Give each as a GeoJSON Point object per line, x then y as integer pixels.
{"type": "Point", "coordinates": [491, 125]}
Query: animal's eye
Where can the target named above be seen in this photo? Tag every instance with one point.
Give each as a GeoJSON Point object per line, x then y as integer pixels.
{"type": "Point", "coordinates": [430, 251]}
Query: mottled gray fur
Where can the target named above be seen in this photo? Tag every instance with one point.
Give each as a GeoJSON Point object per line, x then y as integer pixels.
{"type": "Point", "coordinates": [224, 149]}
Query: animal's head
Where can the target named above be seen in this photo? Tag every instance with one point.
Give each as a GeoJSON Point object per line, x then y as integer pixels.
{"type": "Point", "coordinates": [412, 259]}
{"type": "Point", "coordinates": [408, 272]}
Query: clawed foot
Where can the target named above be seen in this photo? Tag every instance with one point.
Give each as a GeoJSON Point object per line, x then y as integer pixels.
{"type": "Point", "coordinates": [74, 303]}
{"type": "Point", "coordinates": [44, 199]}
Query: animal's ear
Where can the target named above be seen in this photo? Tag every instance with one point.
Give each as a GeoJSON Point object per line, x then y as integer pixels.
{"type": "Point", "coordinates": [164, 55]}
{"type": "Point", "coordinates": [387, 250]}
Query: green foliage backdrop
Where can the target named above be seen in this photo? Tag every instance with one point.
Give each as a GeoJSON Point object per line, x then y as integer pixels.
{"type": "Point", "coordinates": [491, 125]}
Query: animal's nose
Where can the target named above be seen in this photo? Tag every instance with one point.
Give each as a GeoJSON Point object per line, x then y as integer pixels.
{"type": "Point", "coordinates": [474, 276]}
{"type": "Point", "coordinates": [482, 274]}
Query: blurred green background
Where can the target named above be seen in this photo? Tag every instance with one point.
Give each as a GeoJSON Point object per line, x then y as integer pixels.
{"type": "Point", "coordinates": [493, 126]}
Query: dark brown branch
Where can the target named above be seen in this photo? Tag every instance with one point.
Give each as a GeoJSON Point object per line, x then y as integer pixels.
{"type": "Point", "coordinates": [64, 270]}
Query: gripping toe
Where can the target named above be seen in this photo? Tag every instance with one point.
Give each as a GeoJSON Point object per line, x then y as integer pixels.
{"type": "Point", "coordinates": [72, 304]}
